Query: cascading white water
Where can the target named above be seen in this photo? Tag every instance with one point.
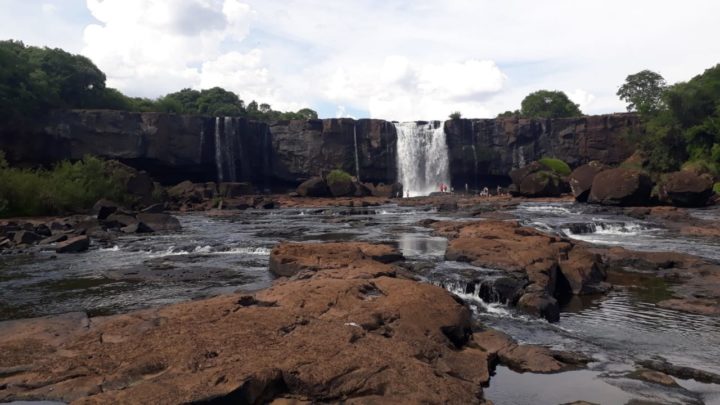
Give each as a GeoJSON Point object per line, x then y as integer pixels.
{"type": "Point", "coordinates": [202, 143]}
{"type": "Point", "coordinates": [230, 147]}
{"type": "Point", "coordinates": [218, 151]}
{"type": "Point", "coordinates": [357, 158]}
{"type": "Point", "coordinates": [422, 157]}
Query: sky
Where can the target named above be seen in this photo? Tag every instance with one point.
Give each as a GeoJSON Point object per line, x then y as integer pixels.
{"type": "Point", "coordinates": [391, 59]}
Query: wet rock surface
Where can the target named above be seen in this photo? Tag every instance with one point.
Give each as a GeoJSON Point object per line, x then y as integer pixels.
{"type": "Point", "coordinates": [549, 266]}
{"type": "Point", "coordinates": [337, 333]}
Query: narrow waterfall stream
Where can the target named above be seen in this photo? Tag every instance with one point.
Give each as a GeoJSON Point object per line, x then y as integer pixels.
{"type": "Point", "coordinates": [357, 158]}
{"type": "Point", "coordinates": [218, 151]}
{"type": "Point", "coordinates": [422, 157]}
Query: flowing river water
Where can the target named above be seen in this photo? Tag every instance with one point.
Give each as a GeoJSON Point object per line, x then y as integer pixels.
{"type": "Point", "coordinates": [220, 254]}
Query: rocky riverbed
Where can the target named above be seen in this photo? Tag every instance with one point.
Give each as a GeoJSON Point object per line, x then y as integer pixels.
{"type": "Point", "coordinates": [443, 299]}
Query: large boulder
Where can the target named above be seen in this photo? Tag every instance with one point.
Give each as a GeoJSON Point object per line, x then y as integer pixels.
{"type": "Point", "coordinates": [26, 237]}
{"type": "Point", "coordinates": [536, 180]}
{"type": "Point", "coordinates": [314, 187]}
{"type": "Point", "coordinates": [74, 245]}
{"type": "Point", "coordinates": [583, 272]}
{"type": "Point", "coordinates": [341, 187]}
{"type": "Point", "coordinates": [581, 179]}
{"type": "Point", "coordinates": [686, 189]}
{"type": "Point", "coordinates": [388, 190]}
{"type": "Point", "coordinates": [621, 186]}
{"type": "Point", "coordinates": [136, 183]}
{"type": "Point", "coordinates": [160, 222]}
{"type": "Point", "coordinates": [531, 258]}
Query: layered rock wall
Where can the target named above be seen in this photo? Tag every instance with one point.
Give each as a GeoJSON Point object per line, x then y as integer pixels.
{"type": "Point", "coordinates": [173, 147]}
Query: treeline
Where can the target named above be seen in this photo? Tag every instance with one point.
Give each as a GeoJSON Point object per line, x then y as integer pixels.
{"type": "Point", "coordinates": [35, 80]}
{"type": "Point", "coordinates": [682, 121]}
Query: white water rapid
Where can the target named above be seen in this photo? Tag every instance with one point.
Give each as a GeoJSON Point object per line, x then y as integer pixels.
{"type": "Point", "coordinates": [422, 157]}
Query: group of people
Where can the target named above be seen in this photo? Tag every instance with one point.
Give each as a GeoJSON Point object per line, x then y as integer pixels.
{"type": "Point", "coordinates": [443, 187]}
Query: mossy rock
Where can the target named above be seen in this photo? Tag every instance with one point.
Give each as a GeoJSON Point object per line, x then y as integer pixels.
{"type": "Point", "coordinates": [340, 183]}
{"type": "Point", "coordinates": [556, 165]}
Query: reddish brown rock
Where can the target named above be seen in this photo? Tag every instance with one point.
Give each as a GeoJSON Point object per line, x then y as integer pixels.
{"type": "Point", "coordinates": [581, 179]}
{"type": "Point", "coordinates": [314, 187]}
{"type": "Point", "coordinates": [621, 186]}
{"type": "Point", "coordinates": [337, 333]}
{"type": "Point", "coordinates": [537, 180]}
{"type": "Point", "coordinates": [686, 189]}
{"type": "Point", "coordinates": [529, 255]}
{"type": "Point", "coordinates": [74, 245]}
{"type": "Point", "coordinates": [526, 358]}
{"type": "Point", "coordinates": [583, 272]}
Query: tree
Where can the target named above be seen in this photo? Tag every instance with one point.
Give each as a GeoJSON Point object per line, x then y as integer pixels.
{"type": "Point", "coordinates": [220, 102]}
{"type": "Point", "coordinates": [509, 114]}
{"type": "Point", "coordinates": [455, 115]}
{"type": "Point", "coordinates": [307, 114]}
{"type": "Point", "coordinates": [548, 104]}
{"type": "Point", "coordinates": [643, 91]}
{"type": "Point", "coordinates": [686, 125]}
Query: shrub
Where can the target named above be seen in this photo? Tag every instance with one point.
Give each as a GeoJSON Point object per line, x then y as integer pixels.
{"type": "Point", "coordinates": [456, 115]}
{"type": "Point", "coordinates": [338, 176]}
{"type": "Point", "coordinates": [716, 188]}
{"type": "Point", "coordinates": [701, 166]}
{"type": "Point", "coordinates": [556, 165]}
{"type": "Point", "coordinates": [67, 187]}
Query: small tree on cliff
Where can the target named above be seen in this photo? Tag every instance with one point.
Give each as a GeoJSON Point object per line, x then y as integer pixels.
{"type": "Point", "coordinates": [549, 104]}
{"type": "Point", "coordinates": [643, 91]}
{"type": "Point", "coordinates": [456, 115]}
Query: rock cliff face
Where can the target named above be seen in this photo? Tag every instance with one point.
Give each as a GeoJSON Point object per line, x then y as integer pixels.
{"type": "Point", "coordinates": [482, 152]}
{"type": "Point", "coordinates": [173, 147]}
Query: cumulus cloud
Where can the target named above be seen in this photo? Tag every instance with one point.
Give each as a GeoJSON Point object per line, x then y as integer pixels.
{"type": "Point", "coordinates": [397, 59]}
{"type": "Point", "coordinates": [401, 89]}
{"type": "Point", "coordinates": [150, 47]}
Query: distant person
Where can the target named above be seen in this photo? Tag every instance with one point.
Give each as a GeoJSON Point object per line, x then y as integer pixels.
{"type": "Point", "coordinates": [499, 190]}
{"type": "Point", "coordinates": [467, 189]}
{"type": "Point", "coordinates": [408, 194]}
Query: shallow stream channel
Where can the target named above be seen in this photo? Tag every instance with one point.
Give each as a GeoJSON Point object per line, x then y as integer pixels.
{"type": "Point", "coordinates": [221, 254]}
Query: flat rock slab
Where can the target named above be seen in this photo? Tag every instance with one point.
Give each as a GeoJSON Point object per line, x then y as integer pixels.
{"type": "Point", "coordinates": [342, 331]}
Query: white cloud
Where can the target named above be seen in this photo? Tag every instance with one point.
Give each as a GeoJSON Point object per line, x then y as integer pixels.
{"type": "Point", "coordinates": [400, 89]}
{"type": "Point", "coordinates": [150, 47]}
{"type": "Point", "coordinates": [398, 59]}
{"type": "Point", "coordinates": [582, 98]}
{"type": "Point", "coordinates": [48, 8]}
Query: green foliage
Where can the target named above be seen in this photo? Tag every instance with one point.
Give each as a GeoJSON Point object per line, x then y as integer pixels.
{"type": "Point", "coordinates": [338, 176]}
{"type": "Point", "coordinates": [509, 114]}
{"type": "Point", "coordinates": [456, 115]}
{"type": "Point", "coordinates": [716, 188]}
{"type": "Point", "coordinates": [67, 187]}
{"type": "Point", "coordinates": [643, 91]}
{"type": "Point", "coordinates": [548, 104]}
{"type": "Point", "coordinates": [34, 80]}
{"type": "Point", "coordinates": [556, 165]}
{"type": "Point", "coordinates": [688, 127]}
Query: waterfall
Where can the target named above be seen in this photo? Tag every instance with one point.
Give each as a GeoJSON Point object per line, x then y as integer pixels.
{"type": "Point", "coordinates": [422, 157]}
{"type": "Point", "coordinates": [202, 142]}
{"type": "Point", "coordinates": [357, 158]}
{"type": "Point", "coordinates": [218, 151]}
{"type": "Point", "coordinates": [230, 148]}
